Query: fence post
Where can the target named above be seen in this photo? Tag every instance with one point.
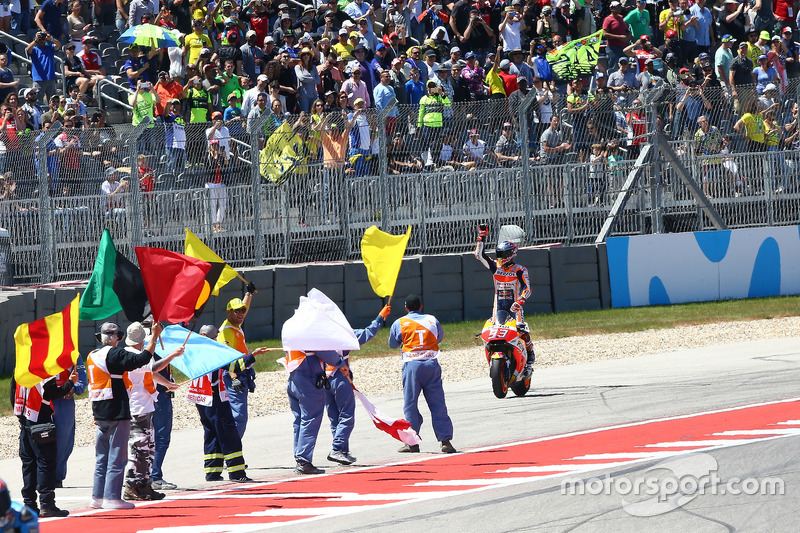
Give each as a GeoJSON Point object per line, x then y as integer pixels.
{"type": "Point", "coordinates": [569, 198]}
{"type": "Point", "coordinates": [254, 126]}
{"type": "Point", "coordinates": [769, 169]}
{"type": "Point", "coordinates": [383, 162]}
{"type": "Point", "coordinates": [525, 155]}
{"type": "Point", "coordinates": [656, 198]}
{"type": "Point", "coordinates": [134, 211]}
{"type": "Point", "coordinates": [47, 260]}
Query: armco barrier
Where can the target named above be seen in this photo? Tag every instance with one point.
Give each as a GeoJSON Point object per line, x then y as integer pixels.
{"type": "Point", "coordinates": [454, 287]}
{"type": "Point", "coordinates": [704, 266]}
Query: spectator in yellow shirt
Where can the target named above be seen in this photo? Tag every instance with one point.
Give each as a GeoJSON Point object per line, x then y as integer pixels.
{"type": "Point", "coordinates": [195, 42]}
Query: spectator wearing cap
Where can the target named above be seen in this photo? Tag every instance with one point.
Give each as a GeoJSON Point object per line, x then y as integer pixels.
{"type": "Point", "coordinates": [42, 51]}
{"type": "Point", "coordinates": [671, 18]}
{"type": "Point", "coordinates": [704, 36]}
{"type": "Point", "coordinates": [639, 19]}
{"type": "Point", "coordinates": [289, 44]}
{"type": "Point", "coordinates": [30, 107]}
{"type": "Point", "coordinates": [92, 64]}
{"type": "Point", "coordinates": [493, 80]}
{"type": "Point", "coordinates": [778, 55]}
{"type": "Point", "coordinates": [732, 20]}
{"type": "Point", "coordinates": [455, 55]}
{"type": "Point", "coordinates": [360, 138]}
{"type": "Point", "coordinates": [506, 149]}
{"type": "Point", "coordinates": [509, 79]}
{"type": "Point", "coordinates": [366, 36]}
{"type": "Point", "coordinates": [472, 72]}
{"type": "Point", "coordinates": [398, 81]}
{"type": "Point", "coordinates": [175, 135]}
{"type": "Point", "coordinates": [723, 59]}
{"type": "Point", "coordinates": [381, 60]}
{"type": "Point", "coordinates": [792, 53]}
{"type": "Point", "coordinates": [220, 133]}
{"type": "Point", "coordinates": [111, 191]}
{"type": "Point", "coordinates": [252, 55]}
{"type": "Point", "coordinates": [355, 87]}
{"type": "Point", "coordinates": [195, 42]}
{"type": "Point", "coordinates": [623, 79]}
{"type": "Point", "coordinates": [251, 95]}
{"type": "Point", "coordinates": [519, 67]}
{"type": "Point", "coordinates": [255, 13]}
{"type": "Point", "coordinates": [642, 50]}
{"type": "Point", "coordinates": [566, 22]}
{"type": "Point", "coordinates": [741, 72]}
{"type": "Point", "coordinates": [430, 64]}
{"type": "Point", "coordinates": [617, 33]}
{"type": "Point", "coordinates": [672, 45]}
{"type": "Point", "coordinates": [769, 99]}
{"type": "Point", "coordinates": [430, 119]}
{"type": "Point", "coordinates": [755, 45]}
{"type": "Point", "coordinates": [368, 73]}
{"type": "Point", "coordinates": [328, 28]}
{"type": "Point", "coordinates": [649, 78]}
{"type": "Point", "coordinates": [475, 151]}
{"type": "Point", "coordinates": [415, 89]}
{"type": "Point", "coordinates": [764, 73]}
{"type": "Point", "coordinates": [343, 48]}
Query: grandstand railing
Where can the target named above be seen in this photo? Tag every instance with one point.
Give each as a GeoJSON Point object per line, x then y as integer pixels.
{"type": "Point", "coordinates": [293, 201]}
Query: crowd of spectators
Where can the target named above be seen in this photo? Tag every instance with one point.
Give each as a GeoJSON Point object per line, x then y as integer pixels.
{"type": "Point", "coordinates": [718, 75]}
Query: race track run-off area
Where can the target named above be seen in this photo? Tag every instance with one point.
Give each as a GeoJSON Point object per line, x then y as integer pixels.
{"type": "Point", "coordinates": [263, 505]}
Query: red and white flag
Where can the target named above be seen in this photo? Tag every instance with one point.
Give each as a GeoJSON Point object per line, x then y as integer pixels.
{"type": "Point", "coordinates": [399, 429]}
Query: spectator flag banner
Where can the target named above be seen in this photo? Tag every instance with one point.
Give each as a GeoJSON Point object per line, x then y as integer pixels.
{"type": "Point", "coordinates": [282, 152]}
{"type": "Point", "coordinates": [174, 283]}
{"type": "Point", "coordinates": [399, 429]}
{"type": "Point", "coordinates": [383, 254]}
{"type": "Point", "coordinates": [46, 347]}
{"type": "Point", "coordinates": [317, 325]}
{"type": "Point", "coordinates": [194, 247]}
{"type": "Point", "coordinates": [577, 57]}
{"type": "Point", "coordinates": [115, 285]}
{"type": "Point", "coordinates": [201, 354]}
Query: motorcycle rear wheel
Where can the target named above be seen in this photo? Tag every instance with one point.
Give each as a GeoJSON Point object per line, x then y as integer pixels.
{"type": "Point", "coordinates": [498, 375]}
{"type": "Point", "coordinates": [521, 388]}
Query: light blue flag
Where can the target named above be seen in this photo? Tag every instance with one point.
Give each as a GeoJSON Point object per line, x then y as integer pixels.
{"type": "Point", "coordinates": [201, 356]}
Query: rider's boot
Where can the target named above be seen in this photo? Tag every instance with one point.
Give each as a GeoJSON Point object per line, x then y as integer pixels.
{"type": "Point", "coordinates": [526, 373]}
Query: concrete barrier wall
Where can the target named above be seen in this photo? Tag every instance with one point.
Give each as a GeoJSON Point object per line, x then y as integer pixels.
{"type": "Point", "coordinates": [453, 287]}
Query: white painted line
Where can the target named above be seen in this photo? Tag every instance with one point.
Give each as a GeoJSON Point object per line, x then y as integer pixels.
{"type": "Point", "coordinates": [558, 468]}
{"type": "Point", "coordinates": [623, 455]}
{"type": "Point", "coordinates": [759, 432]}
{"type": "Point", "coordinates": [703, 443]}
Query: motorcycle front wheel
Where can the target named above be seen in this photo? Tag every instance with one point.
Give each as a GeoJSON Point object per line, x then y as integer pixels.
{"type": "Point", "coordinates": [498, 375]}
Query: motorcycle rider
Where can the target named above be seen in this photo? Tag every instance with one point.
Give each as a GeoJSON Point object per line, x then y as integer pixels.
{"type": "Point", "coordinates": [512, 287]}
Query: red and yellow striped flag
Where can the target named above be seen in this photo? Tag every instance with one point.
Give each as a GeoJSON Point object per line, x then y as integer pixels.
{"type": "Point", "coordinates": [47, 346]}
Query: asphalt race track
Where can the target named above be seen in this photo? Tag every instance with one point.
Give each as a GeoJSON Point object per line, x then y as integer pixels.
{"type": "Point", "coordinates": [697, 440]}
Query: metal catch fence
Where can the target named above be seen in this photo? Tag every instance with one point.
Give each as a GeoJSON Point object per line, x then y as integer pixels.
{"type": "Point", "coordinates": [285, 189]}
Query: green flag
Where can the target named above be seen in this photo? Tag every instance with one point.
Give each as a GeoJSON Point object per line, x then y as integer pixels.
{"type": "Point", "coordinates": [115, 285]}
{"type": "Point", "coordinates": [576, 58]}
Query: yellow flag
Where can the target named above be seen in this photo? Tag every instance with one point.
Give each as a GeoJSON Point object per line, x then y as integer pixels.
{"type": "Point", "coordinates": [383, 255]}
{"type": "Point", "coordinates": [194, 247]}
{"type": "Point", "coordinates": [46, 347]}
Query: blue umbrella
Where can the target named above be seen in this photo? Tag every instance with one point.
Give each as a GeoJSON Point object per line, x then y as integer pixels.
{"type": "Point", "coordinates": [149, 35]}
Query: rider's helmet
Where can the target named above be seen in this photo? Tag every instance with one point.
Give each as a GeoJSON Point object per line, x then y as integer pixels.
{"type": "Point", "coordinates": [506, 252]}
